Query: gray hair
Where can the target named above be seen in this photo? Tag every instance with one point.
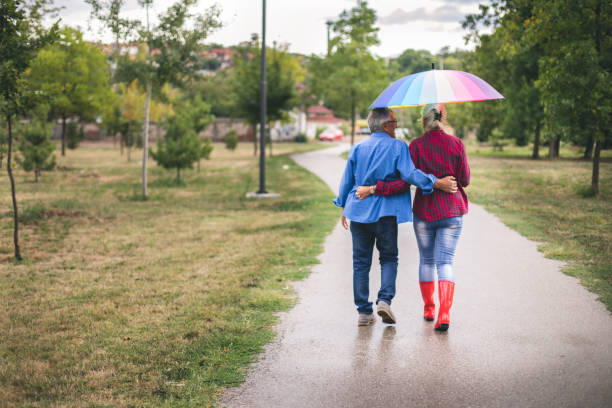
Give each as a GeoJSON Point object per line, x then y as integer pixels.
{"type": "Point", "coordinates": [377, 117]}
{"type": "Point", "coordinates": [434, 116]}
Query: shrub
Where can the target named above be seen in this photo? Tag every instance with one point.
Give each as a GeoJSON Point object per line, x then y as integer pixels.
{"type": "Point", "coordinates": [319, 130]}
{"type": "Point", "coordinates": [73, 135]}
{"type": "Point", "coordinates": [300, 138]}
{"type": "Point", "coordinates": [231, 140]}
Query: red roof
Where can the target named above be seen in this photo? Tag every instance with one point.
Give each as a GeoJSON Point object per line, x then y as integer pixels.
{"type": "Point", "coordinates": [318, 109]}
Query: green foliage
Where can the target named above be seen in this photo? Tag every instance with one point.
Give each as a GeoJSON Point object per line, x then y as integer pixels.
{"type": "Point", "coordinates": [246, 80]}
{"type": "Point", "coordinates": [180, 148]}
{"type": "Point", "coordinates": [198, 113]}
{"type": "Point", "coordinates": [216, 91]}
{"type": "Point", "coordinates": [319, 130]}
{"type": "Point", "coordinates": [300, 138]}
{"type": "Point", "coordinates": [74, 135]}
{"type": "Point", "coordinates": [21, 36]}
{"type": "Point", "coordinates": [35, 147]}
{"type": "Point", "coordinates": [73, 76]}
{"type": "Point", "coordinates": [409, 62]}
{"type": "Point", "coordinates": [350, 77]}
{"type": "Point", "coordinates": [206, 149]}
{"type": "Point", "coordinates": [231, 140]}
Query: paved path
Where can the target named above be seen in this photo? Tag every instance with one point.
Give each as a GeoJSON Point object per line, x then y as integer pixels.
{"type": "Point", "coordinates": [522, 333]}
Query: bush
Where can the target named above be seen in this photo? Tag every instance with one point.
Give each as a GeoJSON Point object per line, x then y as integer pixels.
{"type": "Point", "coordinates": [320, 129]}
{"type": "Point", "coordinates": [346, 129]}
{"type": "Point", "coordinates": [73, 135]}
{"type": "Point", "coordinates": [300, 138]}
{"type": "Point", "coordinates": [231, 140]}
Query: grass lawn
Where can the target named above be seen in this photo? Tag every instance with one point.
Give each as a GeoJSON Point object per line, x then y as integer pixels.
{"type": "Point", "coordinates": [121, 302]}
{"type": "Point", "coordinates": [544, 201]}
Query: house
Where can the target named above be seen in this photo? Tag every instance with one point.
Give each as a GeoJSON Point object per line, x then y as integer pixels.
{"type": "Point", "coordinates": [318, 116]}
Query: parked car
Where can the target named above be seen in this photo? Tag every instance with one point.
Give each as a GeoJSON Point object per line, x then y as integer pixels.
{"type": "Point", "coordinates": [331, 134]}
{"type": "Point", "coordinates": [364, 130]}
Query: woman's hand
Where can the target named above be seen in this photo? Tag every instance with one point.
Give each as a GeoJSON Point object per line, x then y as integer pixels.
{"type": "Point", "coordinates": [447, 184]}
{"type": "Point", "coordinates": [363, 191]}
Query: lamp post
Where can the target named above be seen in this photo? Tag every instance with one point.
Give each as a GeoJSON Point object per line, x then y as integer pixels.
{"type": "Point", "coordinates": [262, 112]}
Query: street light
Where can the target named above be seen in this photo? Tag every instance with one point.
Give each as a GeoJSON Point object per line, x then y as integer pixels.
{"type": "Point", "coordinates": [262, 193]}
{"type": "Point", "coordinates": [262, 111]}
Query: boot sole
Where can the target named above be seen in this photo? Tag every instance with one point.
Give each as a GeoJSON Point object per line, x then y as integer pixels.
{"type": "Point", "coordinates": [443, 327]}
{"type": "Point", "coordinates": [429, 319]}
{"type": "Point", "coordinates": [386, 317]}
{"type": "Point", "coordinates": [368, 323]}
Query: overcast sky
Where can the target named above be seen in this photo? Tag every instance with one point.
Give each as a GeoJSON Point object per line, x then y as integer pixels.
{"type": "Point", "coordinates": [429, 25]}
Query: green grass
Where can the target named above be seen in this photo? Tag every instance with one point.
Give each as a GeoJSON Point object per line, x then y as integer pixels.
{"type": "Point", "coordinates": [121, 302]}
{"type": "Point", "coordinates": [545, 200]}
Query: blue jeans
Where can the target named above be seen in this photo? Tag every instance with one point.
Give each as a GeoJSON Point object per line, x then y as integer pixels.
{"type": "Point", "coordinates": [383, 233]}
{"type": "Point", "coordinates": [437, 241]}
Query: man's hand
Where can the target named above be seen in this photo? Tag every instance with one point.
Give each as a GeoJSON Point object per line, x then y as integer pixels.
{"type": "Point", "coordinates": [362, 192]}
{"type": "Point", "coordinates": [447, 184]}
{"type": "Point", "coordinates": [344, 222]}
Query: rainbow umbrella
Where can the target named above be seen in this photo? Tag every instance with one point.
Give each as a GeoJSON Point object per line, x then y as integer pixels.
{"type": "Point", "coordinates": [435, 86]}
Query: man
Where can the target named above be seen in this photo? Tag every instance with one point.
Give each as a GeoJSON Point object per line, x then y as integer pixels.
{"type": "Point", "coordinates": [374, 219]}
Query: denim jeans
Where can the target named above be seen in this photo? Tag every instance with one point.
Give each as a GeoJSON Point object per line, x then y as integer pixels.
{"type": "Point", "coordinates": [383, 233]}
{"type": "Point", "coordinates": [437, 241]}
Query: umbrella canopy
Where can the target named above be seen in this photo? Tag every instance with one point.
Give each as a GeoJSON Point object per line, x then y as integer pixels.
{"type": "Point", "coordinates": [435, 86]}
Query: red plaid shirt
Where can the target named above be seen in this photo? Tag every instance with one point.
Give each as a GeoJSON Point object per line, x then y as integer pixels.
{"type": "Point", "coordinates": [442, 155]}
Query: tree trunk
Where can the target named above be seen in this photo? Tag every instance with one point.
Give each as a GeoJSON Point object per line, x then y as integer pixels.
{"type": "Point", "coordinates": [588, 151]}
{"type": "Point", "coordinates": [536, 143]}
{"type": "Point", "coordinates": [557, 145]}
{"type": "Point", "coordinates": [178, 174]}
{"type": "Point", "coordinates": [254, 140]}
{"type": "Point", "coordinates": [10, 173]}
{"type": "Point", "coordinates": [63, 135]}
{"type": "Point", "coordinates": [551, 147]}
{"type": "Point", "coordinates": [595, 177]}
{"type": "Point", "coordinates": [269, 133]}
{"type": "Point", "coordinates": [145, 141]}
{"type": "Point", "coordinates": [36, 174]}
{"type": "Point", "coordinates": [353, 113]}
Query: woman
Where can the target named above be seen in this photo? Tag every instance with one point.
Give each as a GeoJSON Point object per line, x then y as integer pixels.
{"type": "Point", "coordinates": [438, 217]}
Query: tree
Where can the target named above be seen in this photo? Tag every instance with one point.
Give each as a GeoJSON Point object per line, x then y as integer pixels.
{"type": "Point", "coordinates": [576, 71]}
{"type": "Point", "coordinates": [74, 135]}
{"type": "Point", "coordinates": [108, 12]}
{"type": "Point", "coordinates": [246, 80]}
{"type": "Point", "coordinates": [198, 114]}
{"type": "Point", "coordinates": [511, 65]}
{"type": "Point", "coordinates": [180, 148]}
{"type": "Point", "coordinates": [409, 62]}
{"type": "Point", "coordinates": [3, 140]}
{"type": "Point", "coordinates": [177, 41]}
{"type": "Point", "coordinates": [20, 39]}
{"type": "Point", "coordinates": [231, 140]}
{"type": "Point", "coordinates": [36, 147]}
{"type": "Point", "coordinates": [350, 77]}
{"type": "Point", "coordinates": [73, 76]}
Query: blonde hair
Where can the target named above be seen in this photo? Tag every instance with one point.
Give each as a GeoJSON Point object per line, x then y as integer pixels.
{"type": "Point", "coordinates": [434, 116]}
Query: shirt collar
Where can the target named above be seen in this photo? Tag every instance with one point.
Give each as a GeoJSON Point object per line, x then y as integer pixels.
{"type": "Point", "coordinates": [435, 132]}
{"type": "Point", "coordinates": [380, 134]}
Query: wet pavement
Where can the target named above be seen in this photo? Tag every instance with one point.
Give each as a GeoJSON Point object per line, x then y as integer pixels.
{"type": "Point", "coordinates": [522, 333]}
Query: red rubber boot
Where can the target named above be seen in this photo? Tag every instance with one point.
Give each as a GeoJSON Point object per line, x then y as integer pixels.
{"type": "Point", "coordinates": [427, 292]}
{"type": "Point", "coordinates": [446, 290]}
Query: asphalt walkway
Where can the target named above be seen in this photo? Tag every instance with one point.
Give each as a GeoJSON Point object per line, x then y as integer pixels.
{"type": "Point", "coordinates": [522, 333]}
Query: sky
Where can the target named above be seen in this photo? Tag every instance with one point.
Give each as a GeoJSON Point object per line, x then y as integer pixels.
{"type": "Point", "coordinates": [428, 25]}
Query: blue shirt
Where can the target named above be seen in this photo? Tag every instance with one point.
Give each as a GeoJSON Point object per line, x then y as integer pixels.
{"type": "Point", "coordinates": [380, 157]}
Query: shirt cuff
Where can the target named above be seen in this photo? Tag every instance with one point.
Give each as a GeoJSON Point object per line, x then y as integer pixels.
{"type": "Point", "coordinates": [433, 181]}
